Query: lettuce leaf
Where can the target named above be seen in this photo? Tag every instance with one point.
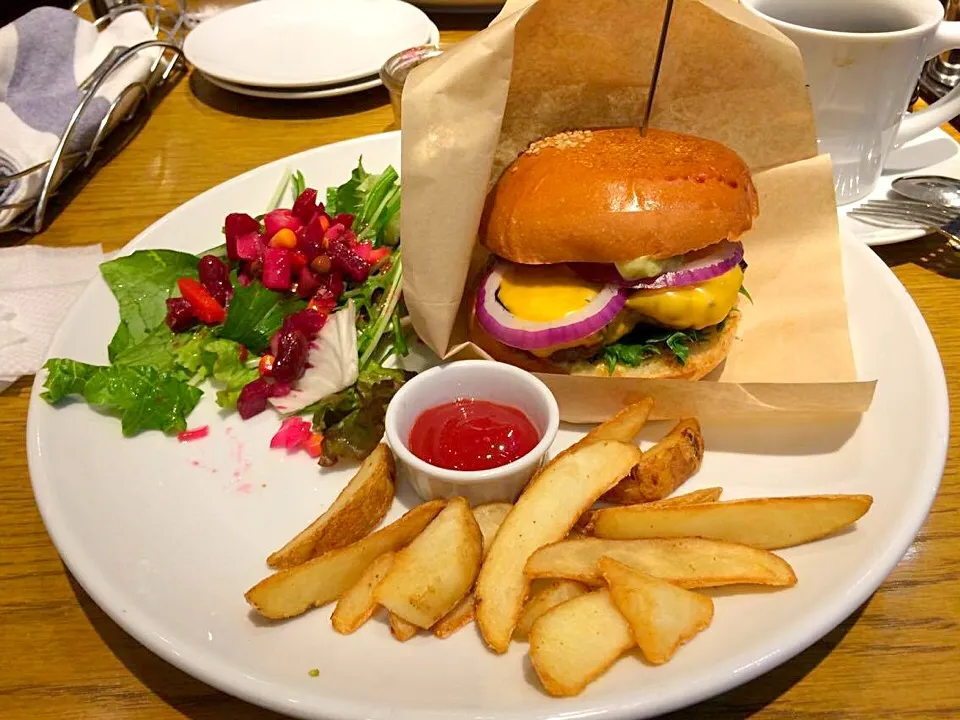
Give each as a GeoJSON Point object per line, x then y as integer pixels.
{"type": "Point", "coordinates": [222, 359]}
{"type": "Point", "coordinates": [644, 342]}
{"type": "Point", "coordinates": [255, 314]}
{"type": "Point", "coordinates": [142, 282]}
{"type": "Point", "coordinates": [142, 397]}
{"type": "Point", "coordinates": [352, 421]}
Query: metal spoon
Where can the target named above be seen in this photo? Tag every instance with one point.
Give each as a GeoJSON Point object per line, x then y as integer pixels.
{"type": "Point", "coordinates": [932, 189]}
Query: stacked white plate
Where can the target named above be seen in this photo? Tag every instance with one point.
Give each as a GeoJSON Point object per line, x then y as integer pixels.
{"type": "Point", "coordinates": [305, 49]}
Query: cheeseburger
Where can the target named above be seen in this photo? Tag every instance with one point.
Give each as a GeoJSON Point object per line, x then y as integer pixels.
{"type": "Point", "coordinates": [615, 253]}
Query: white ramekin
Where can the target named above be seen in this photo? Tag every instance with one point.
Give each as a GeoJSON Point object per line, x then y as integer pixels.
{"type": "Point", "coordinates": [480, 380]}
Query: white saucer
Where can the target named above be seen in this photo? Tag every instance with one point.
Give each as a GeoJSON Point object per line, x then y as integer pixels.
{"type": "Point", "coordinates": [934, 153]}
{"type": "Point", "coordinates": [327, 92]}
{"type": "Point", "coordinates": [305, 43]}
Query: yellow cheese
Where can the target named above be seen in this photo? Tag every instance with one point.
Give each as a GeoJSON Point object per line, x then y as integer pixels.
{"type": "Point", "coordinates": [693, 307]}
{"type": "Point", "coordinates": [544, 293]}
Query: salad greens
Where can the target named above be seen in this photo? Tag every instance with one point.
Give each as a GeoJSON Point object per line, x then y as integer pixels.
{"type": "Point", "coordinates": [141, 396]}
{"type": "Point", "coordinates": [641, 344]}
{"type": "Point", "coordinates": [142, 282]}
{"type": "Point", "coordinates": [256, 313]}
{"type": "Point", "coordinates": [152, 381]}
{"type": "Point", "coordinates": [352, 421]}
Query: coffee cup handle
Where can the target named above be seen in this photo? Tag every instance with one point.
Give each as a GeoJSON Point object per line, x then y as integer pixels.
{"type": "Point", "coordinates": [946, 108]}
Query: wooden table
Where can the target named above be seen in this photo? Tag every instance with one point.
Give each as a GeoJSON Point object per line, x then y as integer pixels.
{"type": "Point", "coordinates": [64, 658]}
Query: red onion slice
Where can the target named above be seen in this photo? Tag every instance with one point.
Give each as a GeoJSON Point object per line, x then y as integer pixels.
{"type": "Point", "coordinates": [698, 267]}
{"type": "Point", "coordinates": [515, 332]}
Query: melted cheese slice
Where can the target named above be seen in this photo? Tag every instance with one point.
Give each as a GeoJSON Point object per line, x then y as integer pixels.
{"type": "Point", "coordinates": [544, 293]}
{"type": "Point", "coordinates": [692, 307]}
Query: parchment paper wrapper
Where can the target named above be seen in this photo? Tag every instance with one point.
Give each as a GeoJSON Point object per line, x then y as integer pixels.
{"type": "Point", "coordinates": [552, 65]}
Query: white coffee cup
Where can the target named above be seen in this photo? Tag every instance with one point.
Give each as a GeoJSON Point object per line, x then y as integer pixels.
{"type": "Point", "coordinates": [863, 59]}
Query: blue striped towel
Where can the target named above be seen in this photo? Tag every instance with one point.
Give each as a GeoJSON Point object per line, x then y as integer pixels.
{"type": "Point", "coordinates": [44, 57]}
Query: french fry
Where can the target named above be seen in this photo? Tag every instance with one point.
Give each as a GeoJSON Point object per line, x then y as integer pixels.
{"type": "Point", "coordinates": [546, 510]}
{"type": "Point", "coordinates": [662, 616]}
{"type": "Point", "coordinates": [694, 497]}
{"type": "Point", "coordinates": [767, 523]}
{"type": "Point", "coordinates": [457, 619]}
{"type": "Point", "coordinates": [433, 573]}
{"type": "Point", "coordinates": [488, 517]}
{"type": "Point", "coordinates": [323, 579]}
{"type": "Point", "coordinates": [400, 628]}
{"type": "Point", "coordinates": [544, 596]}
{"type": "Point", "coordinates": [687, 562]}
{"type": "Point", "coordinates": [356, 605]}
{"type": "Point", "coordinates": [663, 468]}
{"type": "Point", "coordinates": [358, 509]}
{"type": "Point", "coordinates": [576, 641]}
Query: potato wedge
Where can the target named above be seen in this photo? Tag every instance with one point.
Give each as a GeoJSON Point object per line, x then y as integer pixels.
{"type": "Point", "coordinates": [625, 425]}
{"type": "Point", "coordinates": [488, 517]}
{"type": "Point", "coordinates": [694, 497]}
{"type": "Point", "coordinates": [584, 526]}
{"type": "Point", "coordinates": [356, 605]}
{"type": "Point", "coordinates": [457, 619]}
{"type": "Point", "coordinates": [575, 642]}
{"type": "Point", "coordinates": [767, 523]}
{"type": "Point", "coordinates": [547, 596]}
{"type": "Point", "coordinates": [323, 579]}
{"type": "Point", "coordinates": [687, 562]}
{"type": "Point", "coordinates": [546, 510]}
{"type": "Point", "coordinates": [663, 468]}
{"type": "Point", "coordinates": [400, 628]}
{"type": "Point", "coordinates": [433, 573]}
{"type": "Point", "coordinates": [358, 509]}
{"type": "Point", "coordinates": [662, 616]}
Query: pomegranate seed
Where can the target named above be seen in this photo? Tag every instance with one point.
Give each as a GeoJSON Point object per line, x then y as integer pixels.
{"type": "Point", "coordinates": [291, 357]}
{"type": "Point", "coordinates": [180, 315]}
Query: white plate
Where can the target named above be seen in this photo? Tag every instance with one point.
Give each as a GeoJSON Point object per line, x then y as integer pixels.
{"type": "Point", "coordinates": [305, 43]}
{"type": "Point", "coordinates": [933, 153]}
{"type": "Point", "coordinates": [166, 537]}
{"type": "Point", "coordinates": [312, 93]}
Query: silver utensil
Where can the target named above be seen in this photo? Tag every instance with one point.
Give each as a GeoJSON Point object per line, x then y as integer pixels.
{"type": "Point", "coordinates": [933, 189]}
{"type": "Point", "coordinates": [900, 214]}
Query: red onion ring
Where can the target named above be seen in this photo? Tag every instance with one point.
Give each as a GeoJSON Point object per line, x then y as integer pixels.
{"type": "Point", "coordinates": [702, 265]}
{"type": "Point", "coordinates": [515, 332]}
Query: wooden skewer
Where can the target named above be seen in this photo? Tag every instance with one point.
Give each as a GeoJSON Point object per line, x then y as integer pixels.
{"type": "Point", "coordinates": [667, 13]}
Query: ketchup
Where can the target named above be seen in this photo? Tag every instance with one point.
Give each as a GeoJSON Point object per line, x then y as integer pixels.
{"type": "Point", "coordinates": [469, 434]}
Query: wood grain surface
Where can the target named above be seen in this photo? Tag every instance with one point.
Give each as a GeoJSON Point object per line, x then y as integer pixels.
{"type": "Point", "coordinates": [63, 658]}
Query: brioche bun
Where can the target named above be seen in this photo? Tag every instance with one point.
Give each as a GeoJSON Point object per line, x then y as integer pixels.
{"type": "Point", "coordinates": [612, 195]}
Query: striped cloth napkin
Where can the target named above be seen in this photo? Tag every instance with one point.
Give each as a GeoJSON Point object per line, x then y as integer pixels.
{"type": "Point", "coordinates": [45, 56]}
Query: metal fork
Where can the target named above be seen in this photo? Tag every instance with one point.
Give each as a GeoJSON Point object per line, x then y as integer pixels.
{"type": "Point", "coordinates": [910, 214]}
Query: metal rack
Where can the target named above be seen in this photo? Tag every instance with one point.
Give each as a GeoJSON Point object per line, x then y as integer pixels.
{"type": "Point", "coordinates": [167, 19]}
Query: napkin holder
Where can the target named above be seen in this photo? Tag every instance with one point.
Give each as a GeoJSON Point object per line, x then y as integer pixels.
{"type": "Point", "coordinates": [169, 30]}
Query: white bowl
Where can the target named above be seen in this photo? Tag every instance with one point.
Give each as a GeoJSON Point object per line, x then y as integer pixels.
{"type": "Point", "coordinates": [480, 380]}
